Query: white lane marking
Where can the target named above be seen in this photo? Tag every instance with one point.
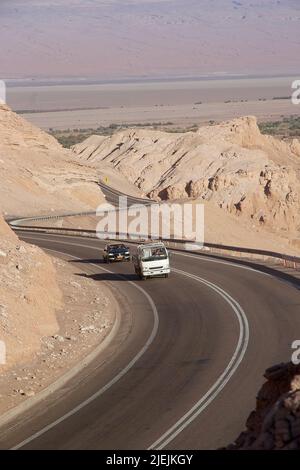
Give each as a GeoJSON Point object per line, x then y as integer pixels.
{"type": "Point", "coordinates": [211, 260]}
{"type": "Point", "coordinates": [231, 368]}
{"type": "Point", "coordinates": [187, 255]}
{"type": "Point", "coordinates": [116, 378]}
{"type": "Point", "coordinates": [218, 386]}
{"type": "Point", "coordinates": [72, 244]}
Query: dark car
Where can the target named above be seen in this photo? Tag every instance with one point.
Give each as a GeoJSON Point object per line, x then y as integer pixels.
{"type": "Point", "coordinates": [118, 252]}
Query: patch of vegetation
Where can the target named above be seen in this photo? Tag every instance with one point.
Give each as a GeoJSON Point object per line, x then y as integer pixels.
{"type": "Point", "coordinates": [69, 137]}
{"type": "Point", "coordinates": [235, 101]}
{"type": "Point", "coordinates": [287, 128]}
{"type": "Point", "coordinates": [281, 98]}
{"type": "Point", "coordinates": [182, 130]}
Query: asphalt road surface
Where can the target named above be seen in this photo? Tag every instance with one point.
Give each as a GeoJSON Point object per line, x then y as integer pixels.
{"type": "Point", "coordinates": [185, 366]}
{"type": "Point", "coordinates": [112, 196]}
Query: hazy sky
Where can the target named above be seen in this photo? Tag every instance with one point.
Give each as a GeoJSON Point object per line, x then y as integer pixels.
{"type": "Point", "coordinates": [122, 38]}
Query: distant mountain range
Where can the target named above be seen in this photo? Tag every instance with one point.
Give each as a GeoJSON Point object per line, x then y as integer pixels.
{"type": "Point", "coordinates": [125, 38]}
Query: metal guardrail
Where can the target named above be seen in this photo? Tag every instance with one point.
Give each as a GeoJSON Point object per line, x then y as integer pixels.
{"type": "Point", "coordinates": [17, 224]}
{"type": "Point", "coordinates": [14, 221]}
{"type": "Point", "coordinates": [115, 192]}
{"type": "Point", "coordinates": [286, 260]}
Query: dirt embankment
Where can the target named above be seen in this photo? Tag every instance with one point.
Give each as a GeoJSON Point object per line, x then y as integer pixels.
{"type": "Point", "coordinates": [38, 177]}
{"type": "Point", "coordinates": [30, 296]}
{"type": "Point", "coordinates": [56, 340]}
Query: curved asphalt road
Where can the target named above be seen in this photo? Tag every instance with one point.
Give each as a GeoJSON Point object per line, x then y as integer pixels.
{"type": "Point", "coordinates": [112, 196]}
{"type": "Point", "coordinates": [180, 373]}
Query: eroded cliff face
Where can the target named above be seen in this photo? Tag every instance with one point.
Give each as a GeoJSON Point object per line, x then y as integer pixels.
{"type": "Point", "coordinates": [275, 423]}
{"type": "Point", "coordinates": [37, 176]}
{"type": "Point", "coordinates": [231, 164]}
{"type": "Point", "coordinates": [29, 296]}
{"type": "Point", "coordinates": [37, 173]}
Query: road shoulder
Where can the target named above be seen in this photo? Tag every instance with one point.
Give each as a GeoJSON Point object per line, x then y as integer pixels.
{"type": "Point", "coordinates": [87, 323]}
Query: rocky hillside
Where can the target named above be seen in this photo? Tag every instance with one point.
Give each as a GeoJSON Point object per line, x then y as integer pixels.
{"type": "Point", "coordinates": [37, 174]}
{"type": "Point", "coordinates": [231, 164]}
{"type": "Point", "coordinates": [27, 303]}
{"type": "Point", "coordinates": [275, 423]}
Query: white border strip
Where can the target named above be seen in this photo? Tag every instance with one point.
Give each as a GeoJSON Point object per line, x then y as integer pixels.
{"type": "Point", "coordinates": [111, 382]}
{"type": "Point", "coordinates": [218, 386]}
{"type": "Point", "coordinates": [212, 393]}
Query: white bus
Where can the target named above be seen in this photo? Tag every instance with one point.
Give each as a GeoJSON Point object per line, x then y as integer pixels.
{"type": "Point", "coordinates": [152, 259]}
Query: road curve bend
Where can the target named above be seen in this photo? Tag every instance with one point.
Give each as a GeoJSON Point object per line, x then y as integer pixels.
{"type": "Point", "coordinates": [183, 370]}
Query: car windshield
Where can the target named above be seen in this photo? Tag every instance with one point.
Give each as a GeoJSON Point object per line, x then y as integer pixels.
{"type": "Point", "coordinates": [154, 253]}
{"type": "Point", "coordinates": [117, 248]}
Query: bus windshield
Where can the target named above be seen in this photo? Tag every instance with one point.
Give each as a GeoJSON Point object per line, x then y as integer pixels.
{"type": "Point", "coordinates": [154, 253]}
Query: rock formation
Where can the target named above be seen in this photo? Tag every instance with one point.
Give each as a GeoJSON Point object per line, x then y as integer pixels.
{"type": "Point", "coordinates": [27, 303]}
{"type": "Point", "coordinates": [38, 175]}
{"type": "Point", "coordinates": [231, 164]}
{"type": "Point", "coordinates": [275, 423]}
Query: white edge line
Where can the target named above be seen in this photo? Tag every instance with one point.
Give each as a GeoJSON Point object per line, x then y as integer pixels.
{"type": "Point", "coordinates": [222, 380]}
{"type": "Point", "coordinates": [218, 386]}
{"type": "Point", "coordinates": [227, 263]}
{"type": "Point", "coordinates": [111, 382]}
{"type": "Point", "coordinates": [170, 435]}
{"type": "Point", "coordinates": [206, 257]}
{"type": "Point", "coordinates": [13, 413]}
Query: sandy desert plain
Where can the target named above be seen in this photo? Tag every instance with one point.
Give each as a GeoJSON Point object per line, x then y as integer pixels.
{"type": "Point", "coordinates": [174, 104]}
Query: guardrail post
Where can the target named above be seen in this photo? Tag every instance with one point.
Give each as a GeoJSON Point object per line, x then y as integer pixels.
{"type": "Point", "coordinates": [277, 258]}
